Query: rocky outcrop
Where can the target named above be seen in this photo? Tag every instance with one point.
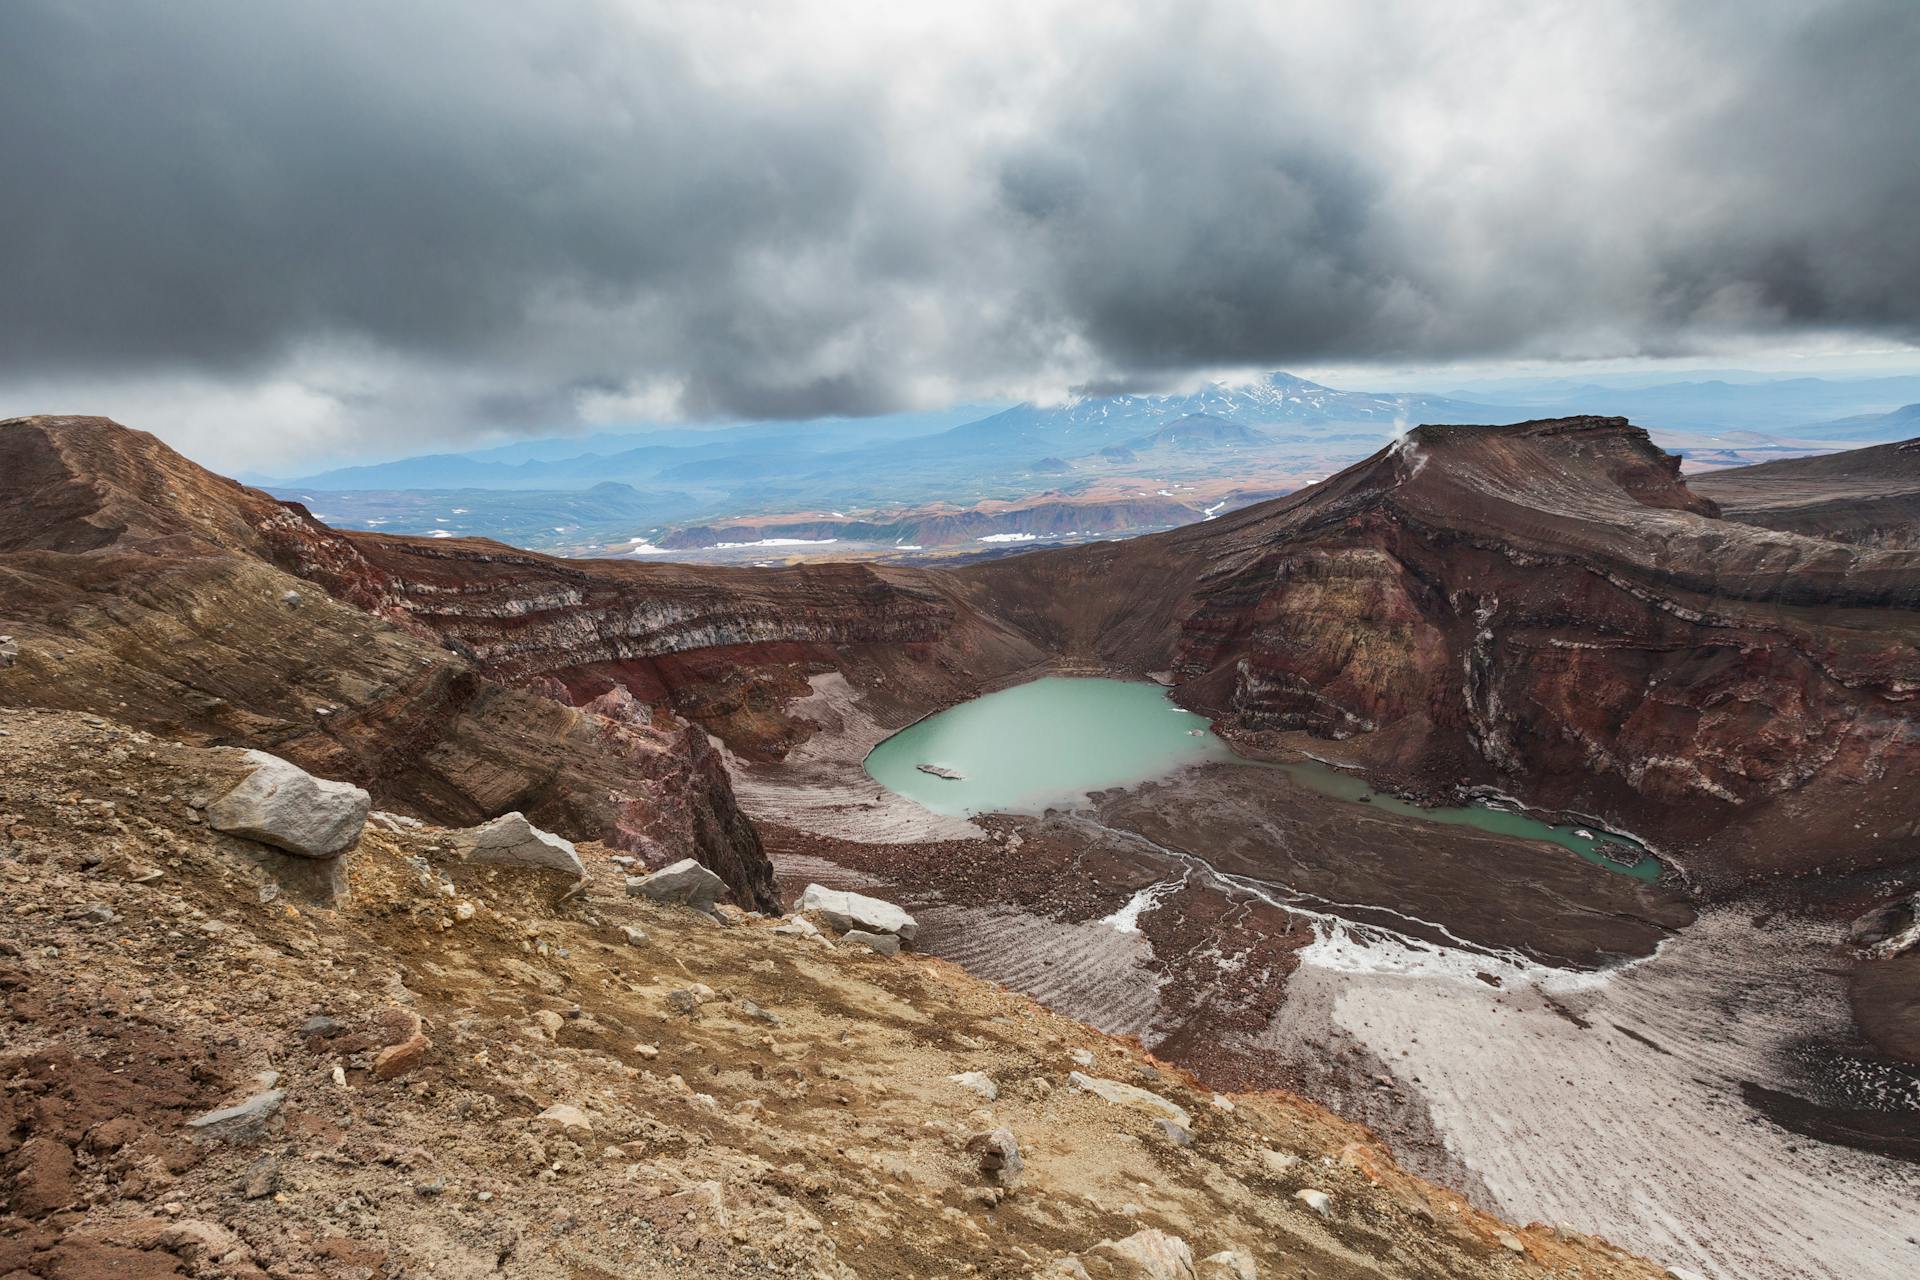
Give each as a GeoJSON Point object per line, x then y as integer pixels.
{"type": "Point", "coordinates": [139, 585]}
{"type": "Point", "coordinates": [1545, 609]}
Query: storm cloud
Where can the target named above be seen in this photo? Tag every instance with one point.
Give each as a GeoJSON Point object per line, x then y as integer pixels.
{"type": "Point", "coordinates": [282, 229]}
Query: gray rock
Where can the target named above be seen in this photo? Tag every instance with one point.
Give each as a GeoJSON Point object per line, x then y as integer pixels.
{"type": "Point", "coordinates": [1318, 1201]}
{"type": "Point", "coordinates": [758, 1014]}
{"type": "Point", "coordinates": [1176, 1133]}
{"type": "Point", "coordinates": [282, 805]}
{"type": "Point", "coordinates": [844, 910]}
{"type": "Point", "coordinates": [796, 927]}
{"type": "Point", "coordinates": [9, 651]}
{"type": "Point", "coordinates": [634, 937]}
{"type": "Point", "coordinates": [262, 1180]}
{"type": "Point", "coordinates": [1889, 929]}
{"type": "Point", "coordinates": [999, 1155]}
{"type": "Point", "coordinates": [885, 943]}
{"type": "Point", "coordinates": [243, 1119]}
{"type": "Point", "coordinates": [686, 881]}
{"type": "Point", "coordinates": [510, 840]}
{"type": "Point", "coordinates": [322, 1026]}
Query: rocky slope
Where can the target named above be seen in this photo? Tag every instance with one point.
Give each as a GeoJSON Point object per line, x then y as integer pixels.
{"type": "Point", "coordinates": [1545, 609]}
{"type": "Point", "coordinates": [1868, 497]}
{"type": "Point", "coordinates": [139, 585]}
{"type": "Point", "coordinates": [464, 1070]}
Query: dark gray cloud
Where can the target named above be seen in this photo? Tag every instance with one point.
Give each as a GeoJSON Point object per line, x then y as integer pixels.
{"type": "Point", "coordinates": [362, 222]}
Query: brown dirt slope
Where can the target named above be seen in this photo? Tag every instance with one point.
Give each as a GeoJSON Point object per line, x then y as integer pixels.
{"type": "Point", "coordinates": [744, 1104]}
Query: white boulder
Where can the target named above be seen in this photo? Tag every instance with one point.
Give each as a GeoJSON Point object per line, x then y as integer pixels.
{"type": "Point", "coordinates": [282, 805]}
{"type": "Point", "coordinates": [511, 840]}
{"type": "Point", "coordinates": [844, 910]}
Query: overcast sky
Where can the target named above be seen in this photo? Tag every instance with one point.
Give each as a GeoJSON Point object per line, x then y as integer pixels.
{"type": "Point", "coordinates": [279, 233]}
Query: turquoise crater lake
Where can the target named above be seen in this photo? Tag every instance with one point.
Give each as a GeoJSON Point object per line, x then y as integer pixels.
{"type": "Point", "coordinates": [1046, 743]}
{"type": "Point", "coordinates": [1050, 742]}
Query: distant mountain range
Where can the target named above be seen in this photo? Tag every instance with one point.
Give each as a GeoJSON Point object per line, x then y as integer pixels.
{"type": "Point", "coordinates": [1901, 424]}
{"type": "Point", "coordinates": [1269, 435]}
{"type": "Point", "coordinates": [1784, 407]}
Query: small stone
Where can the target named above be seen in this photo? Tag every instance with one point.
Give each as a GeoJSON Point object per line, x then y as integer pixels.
{"type": "Point", "coordinates": [549, 1022]}
{"type": "Point", "coordinates": [977, 1081]}
{"type": "Point", "coordinates": [1082, 1057]}
{"type": "Point", "coordinates": [1683, 1273]}
{"type": "Point", "coordinates": [1318, 1201]}
{"type": "Point", "coordinates": [145, 875]}
{"type": "Point", "coordinates": [683, 1002]}
{"type": "Point", "coordinates": [1228, 1264]}
{"type": "Point", "coordinates": [428, 1190]}
{"type": "Point", "coordinates": [321, 1026]}
{"type": "Point", "coordinates": [1511, 1243]}
{"type": "Point", "coordinates": [262, 1180]}
{"type": "Point", "coordinates": [633, 937]}
{"type": "Point", "coordinates": [796, 927]}
{"type": "Point", "coordinates": [884, 943]}
{"type": "Point", "coordinates": [565, 1118]}
{"type": "Point", "coordinates": [647, 1051]}
{"type": "Point", "coordinates": [1178, 1134]}
{"type": "Point", "coordinates": [463, 911]}
{"type": "Point", "coordinates": [999, 1155]}
{"type": "Point", "coordinates": [397, 1060]}
{"type": "Point", "coordinates": [1221, 1102]}
{"type": "Point", "coordinates": [755, 1012]}
{"type": "Point", "coordinates": [241, 1120]}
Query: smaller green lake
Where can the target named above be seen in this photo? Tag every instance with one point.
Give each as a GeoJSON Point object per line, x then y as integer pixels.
{"type": "Point", "coordinates": [1050, 742]}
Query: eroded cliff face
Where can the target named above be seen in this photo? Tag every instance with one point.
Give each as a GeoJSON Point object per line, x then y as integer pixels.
{"type": "Point", "coordinates": [1547, 609]}
{"type": "Point", "coordinates": [140, 586]}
